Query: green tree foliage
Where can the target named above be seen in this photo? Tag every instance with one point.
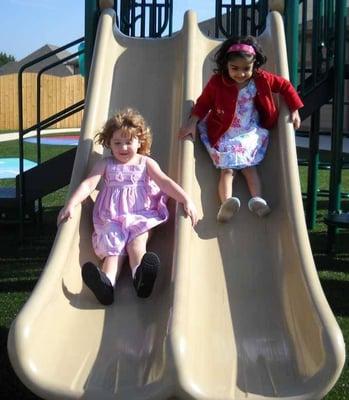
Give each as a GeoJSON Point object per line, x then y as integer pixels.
{"type": "Point", "coordinates": [5, 58]}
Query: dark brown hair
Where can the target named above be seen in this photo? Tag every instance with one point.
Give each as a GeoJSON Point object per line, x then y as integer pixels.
{"type": "Point", "coordinates": [222, 56]}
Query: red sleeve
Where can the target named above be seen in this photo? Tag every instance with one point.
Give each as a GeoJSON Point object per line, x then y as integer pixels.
{"type": "Point", "coordinates": [205, 101]}
{"type": "Point", "coordinates": [278, 84]}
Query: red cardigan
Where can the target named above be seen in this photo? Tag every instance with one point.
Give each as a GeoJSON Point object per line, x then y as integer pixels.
{"type": "Point", "coordinates": [219, 99]}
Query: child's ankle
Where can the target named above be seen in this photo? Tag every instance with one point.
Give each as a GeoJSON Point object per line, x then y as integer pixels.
{"type": "Point", "coordinates": [134, 270]}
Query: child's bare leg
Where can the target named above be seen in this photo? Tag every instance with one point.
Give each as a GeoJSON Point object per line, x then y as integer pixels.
{"type": "Point", "coordinates": [136, 249]}
{"type": "Point", "coordinates": [144, 265]}
{"type": "Point", "coordinates": [253, 181]}
{"type": "Point", "coordinates": [257, 204]}
{"type": "Point", "coordinates": [230, 205]}
{"type": "Point", "coordinates": [112, 267]}
{"type": "Point", "coordinates": [225, 185]}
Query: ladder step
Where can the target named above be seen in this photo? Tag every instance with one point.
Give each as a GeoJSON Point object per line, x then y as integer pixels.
{"type": "Point", "coordinates": [339, 220]}
{"type": "Point", "coordinates": [7, 193]}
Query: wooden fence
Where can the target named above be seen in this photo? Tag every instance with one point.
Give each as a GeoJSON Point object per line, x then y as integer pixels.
{"type": "Point", "coordinates": [57, 93]}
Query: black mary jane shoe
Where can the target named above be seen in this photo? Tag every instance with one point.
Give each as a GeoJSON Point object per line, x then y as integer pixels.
{"type": "Point", "coordinates": [98, 282]}
{"type": "Point", "coordinates": [146, 274]}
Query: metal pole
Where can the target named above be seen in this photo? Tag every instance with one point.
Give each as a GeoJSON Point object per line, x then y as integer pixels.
{"type": "Point", "coordinates": [126, 8]}
{"type": "Point", "coordinates": [313, 168]}
{"type": "Point", "coordinates": [91, 21]}
{"type": "Point", "coordinates": [291, 29]}
{"type": "Point", "coordinates": [338, 108]}
{"type": "Point", "coordinates": [21, 156]}
{"type": "Point", "coordinates": [337, 119]}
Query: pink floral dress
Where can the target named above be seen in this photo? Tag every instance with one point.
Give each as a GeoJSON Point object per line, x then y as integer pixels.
{"type": "Point", "coordinates": [244, 144]}
{"type": "Point", "coordinates": [129, 204]}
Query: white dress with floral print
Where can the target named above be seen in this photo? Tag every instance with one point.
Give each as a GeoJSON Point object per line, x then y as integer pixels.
{"type": "Point", "coordinates": [244, 144]}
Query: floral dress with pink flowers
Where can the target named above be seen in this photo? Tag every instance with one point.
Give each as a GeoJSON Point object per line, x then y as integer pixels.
{"type": "Point", "coordinates": [129, 204]}
{"type": "Point", "coordinates": [244, 144]}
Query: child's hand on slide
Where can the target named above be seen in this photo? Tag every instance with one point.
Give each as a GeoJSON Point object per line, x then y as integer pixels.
{"type": "Point", "coordinates": [188, 129]}
{"type": "Point", "coordinates": [191, 211]}
{"type": "Point", "coordinates": [296, 119]}
{"type": "Point", "coordinates": [65, 213]}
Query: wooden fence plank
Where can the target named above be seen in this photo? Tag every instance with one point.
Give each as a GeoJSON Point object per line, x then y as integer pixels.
{"type": "Point", "coordinates": [57, 93]}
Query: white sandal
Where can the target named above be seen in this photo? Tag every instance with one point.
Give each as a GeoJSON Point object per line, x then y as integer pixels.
{"type": "Point", "coordinates": [259, 206]}
{"type": "Point", "coordinates": [230, 207]}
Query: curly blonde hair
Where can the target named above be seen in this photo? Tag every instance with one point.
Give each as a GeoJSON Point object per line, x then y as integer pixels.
{"type": "Point", "coordinates": [132, 124]}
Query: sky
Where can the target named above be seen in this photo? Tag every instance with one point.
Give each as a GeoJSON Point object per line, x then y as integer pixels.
{"type": "Point", "coordinates": [27, 25]}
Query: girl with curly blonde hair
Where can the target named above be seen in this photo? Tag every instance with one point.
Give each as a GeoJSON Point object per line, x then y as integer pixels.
{"type": "Point", "coordinates": [131, 202]}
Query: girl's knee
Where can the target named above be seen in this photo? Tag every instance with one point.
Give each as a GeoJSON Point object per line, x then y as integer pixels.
{"type": "Point", "coordinates": [138, 242]}
{"type": "Point", "coordinates": [227, 171]}
{"type": "Point", "coordinates": [249, 171]}
{"type": "Point", "coordinates": [132, 245]}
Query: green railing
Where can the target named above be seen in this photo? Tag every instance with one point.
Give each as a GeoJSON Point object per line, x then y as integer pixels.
{"type": "Point", "coordinates": [319, 66]}
{"type": "Point", "coordinates": [242, 17]}
{"type": "Point", "coordinates": [145, 18]}
{"type": "Point", "coordinates": [310, 37]}
{"type": "Point", "coordinates": [334, 208]}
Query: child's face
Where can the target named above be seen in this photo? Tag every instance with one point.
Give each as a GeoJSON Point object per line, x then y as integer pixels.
{"type": "Point", "coordinates": [123, 146]}
{"type": "Point", "coordinates": [240, 70]}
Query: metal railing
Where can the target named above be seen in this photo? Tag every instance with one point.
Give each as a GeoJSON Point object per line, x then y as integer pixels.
{"type": "Point", "coordinates": [40, 124]}
{"type": "Point", "coordinates": [145, 18]}
{"type": "Point", "coordinates": [318, 29]}
{"type": "Point", "coordinates": [235, 18]}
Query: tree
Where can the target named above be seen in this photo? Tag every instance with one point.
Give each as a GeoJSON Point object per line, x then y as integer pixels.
{"type": "Point", "coordinates": [5, 58]}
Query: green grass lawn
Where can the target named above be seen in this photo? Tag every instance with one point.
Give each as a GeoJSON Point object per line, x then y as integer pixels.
{"type": "Point", "coordinates": [10, 149]}
{"type": "Point", "coordinates": [20, 267]}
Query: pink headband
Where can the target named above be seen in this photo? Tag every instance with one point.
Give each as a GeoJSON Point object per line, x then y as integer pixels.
{"type": "Point", "coordinates": [246, 48]}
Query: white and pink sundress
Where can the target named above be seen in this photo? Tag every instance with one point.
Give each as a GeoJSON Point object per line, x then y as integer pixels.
{"type": "Point", "coordinates": [245, 143]}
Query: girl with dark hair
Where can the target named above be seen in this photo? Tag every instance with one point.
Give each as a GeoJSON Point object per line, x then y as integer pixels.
{"type": "Point", "coordinates": [236, 109]}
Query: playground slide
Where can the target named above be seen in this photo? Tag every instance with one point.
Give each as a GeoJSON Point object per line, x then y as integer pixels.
{"type": "Point", "coordinates": [237, 311]}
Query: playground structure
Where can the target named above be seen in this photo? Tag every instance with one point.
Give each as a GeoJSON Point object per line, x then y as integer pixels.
{"type": "Point", "coordinates": [316, 65]}
{"type": "Point", "coordinates": [237, 312]}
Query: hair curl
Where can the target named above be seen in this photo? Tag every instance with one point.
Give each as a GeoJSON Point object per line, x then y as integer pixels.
{"type": "Point", "coordinates": [222, 57]}
{"type": "Point", "coordinates": [132, 124]}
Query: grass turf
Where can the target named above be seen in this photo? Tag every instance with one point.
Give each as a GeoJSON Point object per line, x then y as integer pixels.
{"type": "Point", "coordinates": [20, 267]}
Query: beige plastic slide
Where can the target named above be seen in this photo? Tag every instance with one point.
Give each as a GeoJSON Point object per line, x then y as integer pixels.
{"type": "Point", "coordinates": [237, 311]}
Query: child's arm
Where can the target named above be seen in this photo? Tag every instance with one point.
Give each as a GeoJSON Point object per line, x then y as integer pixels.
{"type": "Point", "coordinates": [171, 188]}
{"type": "Point", "coordinates": [281, 85]}
{"type": "Point", "coordinates": [201, 108]}
{"type": "Point", "coordinates": [189, 128]}
{"type": "Point", "coordinates": [86, 187]}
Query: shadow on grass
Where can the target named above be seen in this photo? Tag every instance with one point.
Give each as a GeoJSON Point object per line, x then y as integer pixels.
{"type": "Point", "coordinates": [333, 269]}
{"type": "Point", "coordinates": [20, 267]}
{"type": "Point", "coordinates": [336, 293]}
{"type": "Point", "coordinates": [17, 286]}
{"type": "Point", "coordinates": [11, 387]}
{"type": "Point", "coordinates": [329, 263]}
{"type": "Point", "coordinates": [336, 261]}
